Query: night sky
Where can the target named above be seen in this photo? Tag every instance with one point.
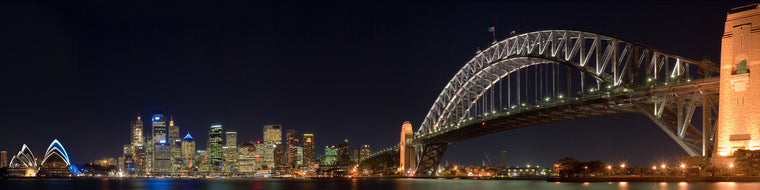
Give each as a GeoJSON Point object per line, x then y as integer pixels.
{"type": "Point", "coordinates": [82, 72]}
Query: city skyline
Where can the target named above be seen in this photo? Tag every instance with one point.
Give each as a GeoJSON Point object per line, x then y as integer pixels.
{"type": "Point", "coordinates": [90, 72]}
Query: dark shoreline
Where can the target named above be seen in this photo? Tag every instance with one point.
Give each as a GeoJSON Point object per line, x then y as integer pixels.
{"type": "Point", "coordinates": [657, 179]}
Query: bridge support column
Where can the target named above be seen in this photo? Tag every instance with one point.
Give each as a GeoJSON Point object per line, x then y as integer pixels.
{"type": "Point", "coordinates": [673, 114]}
{"type": "Point", "coordinates": [430, 158]}
{"type": "Point", "coordinates": [709, 123]}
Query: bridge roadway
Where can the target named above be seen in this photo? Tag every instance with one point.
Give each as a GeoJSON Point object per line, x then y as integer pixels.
{"type": "Point", "coordinates": [630, 101]}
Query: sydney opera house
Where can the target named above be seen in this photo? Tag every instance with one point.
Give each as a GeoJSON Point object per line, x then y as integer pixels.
{"type": "Point", "coordinates": [55, 163]}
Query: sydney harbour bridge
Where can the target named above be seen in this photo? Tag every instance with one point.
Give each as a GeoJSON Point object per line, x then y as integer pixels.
{"type": "Point", "coordinates": [555, 75]}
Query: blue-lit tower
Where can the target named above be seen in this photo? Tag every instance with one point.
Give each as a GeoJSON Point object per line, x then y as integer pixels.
{"type": "Point", "coordinates": [161, 147]}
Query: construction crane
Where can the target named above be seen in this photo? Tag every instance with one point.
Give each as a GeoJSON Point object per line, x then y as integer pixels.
{"type": "Point", "coordinates": [489, 159]}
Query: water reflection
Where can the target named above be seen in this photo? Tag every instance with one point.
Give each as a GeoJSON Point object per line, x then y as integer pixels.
{"type": "Point", "coordinates": [354, 184]}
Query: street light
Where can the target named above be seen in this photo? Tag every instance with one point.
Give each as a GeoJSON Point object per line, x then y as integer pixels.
{"type": "Point", "coordinates": [610, 169]}
{"type": "Point", "coordinates": [622, 167]}
{"type": "Point", "coordinates": [731, 169]}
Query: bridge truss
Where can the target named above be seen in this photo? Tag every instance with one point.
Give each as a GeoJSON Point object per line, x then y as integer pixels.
{"type": "Point", "coordinates": [625, 77]}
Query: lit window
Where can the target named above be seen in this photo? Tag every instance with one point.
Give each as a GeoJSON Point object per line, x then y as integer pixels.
{"type": "Point", "coordinates": [741, 67]}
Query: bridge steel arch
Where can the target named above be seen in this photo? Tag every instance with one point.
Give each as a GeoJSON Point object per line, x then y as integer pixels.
{"type": "Point", "coordinates": [620, 64]}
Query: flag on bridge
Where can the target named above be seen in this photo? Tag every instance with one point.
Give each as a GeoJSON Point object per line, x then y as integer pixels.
{"type": "Point", "coordinates": [491, 29]}
{"type": "Point", "coordinates": [512, 33]}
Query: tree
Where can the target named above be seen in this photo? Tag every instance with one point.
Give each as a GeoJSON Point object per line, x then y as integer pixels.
{"type": "Point", "coordinates": [698, 161]}
{"type": "Point", "coordinates": [596, 166]}
{"type": "Point", "coordinates": [748, 161]}
{"type": "Point", "coordinates": [714, 169]}
{"type": "Point", "coordinates": [568, 166]}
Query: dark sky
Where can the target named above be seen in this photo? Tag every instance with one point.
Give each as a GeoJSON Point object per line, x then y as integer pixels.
{"type": "Point", "coordinates": [82, 72]}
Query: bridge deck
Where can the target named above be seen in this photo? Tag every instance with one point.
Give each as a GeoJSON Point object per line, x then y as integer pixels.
{"type": "Point", "coordinates": [588, 106]}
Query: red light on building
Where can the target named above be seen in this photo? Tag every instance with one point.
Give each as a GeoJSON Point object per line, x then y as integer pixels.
{"type": "Point", "coordinates": [484, 123]}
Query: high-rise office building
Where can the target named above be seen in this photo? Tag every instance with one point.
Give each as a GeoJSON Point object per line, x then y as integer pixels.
{"type": "Point", "coordinates": [307, 140]}
{"type": "Point", "coordinates": [299, 157]}
{"type": "Point", "coordinates": [141, 165]}
{"type": "Point", "coordinates": [344, 154]}
{"type": "Point", "coordinates": [229, 152]}
{"type": "Point", "coordinates": [127, 164]}
{"type": "Point", "coordinates": [161, 145]}
{"type": "Point", "coordinates": [214, 148]}
{"type": "Point", "coordinates": [231, 139]}
{"type": "Point", "coordinates": [178, 162]}
{"type": "Point", "coordinates": [3, 159]}
{"type": "Point", "coordinates": [260, 155]}
{"type": "Point", "coordinates": [363, 152]}
{"type": "Point", "coordinates": [200, 160]}
{"type": "Point", "coordinates": [148, 153]}
{"type": "Point", "coordinates": [355, 157]}
{"type": "Point", "coordinates": [121, 164]}
{"type": "Point", "coordinates": [160, 132]}
{"type": "Point", "coordinates": [331, 156]}
{"type": "Point", "coordinates": [173, 130]}
{"type": "Point", "coordinates": [137, 132]}
{"type": "Point", "coordinates": [175, 146]}
{"type": "Point", "coordinates": [137, 139]}
{"type": "Point", "coordinates": [272, 139]}
{"type": "Point", "coordinates": [291, 139]}
{"type": "Point", "coordinates": [247, 158]}
{"type": "Point", "coordinates": [279, 157]}
{"type": "Point", "coordinates": [162, 161]}
{"type": "Point", "coordinates": [188, 151]}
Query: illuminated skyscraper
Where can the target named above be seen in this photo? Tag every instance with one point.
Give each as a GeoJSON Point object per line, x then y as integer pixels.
{"type": "Point", "coordinates": [344, 154]}
{"type": "Point", "coordinates": [331, 156]}
{"type": "Point", "coordinates": [247, 158]}
{"type": "Point", "coordinates": [173, 131]}
{"type": "Point", "coordinates": [739, 99]}
{"type": "Point", "coordinates": [231, 139]}
{"type": "Point", "coordinates": [214, 148]}
{"type": "Point", "coordinates": [291, 138]}
{"type": "Point", "coordinates": [141, 165]}
{"type": "Point", "coordinates": [148, 153]}
{"type": "Point", "coordinates": [259, 163]}
{"type": "Point", "coordinates": [3, 159]}
{"type": "Point", "coordinates": [160, 131]}
{"type": "Point", "coordinates": [308, 148]}
{"type": "Point", "coordinates": [230, 152]}
{"type": "Point", "coordinates": [161, 145]}
{"type": "Point", "coordinates": [127, 164]}
{"type": "Point", "coordinates": [188, 151]}
{"type": "Point", "coordinates": [279, 157]}
{"type": "Point", "coordinates": [364, 152]}
{"type": "Point", "coordinates": [299, 157]}
{"type": "Point", "coordinates": [200, 160]}
{"type": "Point", "coordinates": [272, 139]}
{"type": "Point", "coordinates": [137, 139]}
{"type": "Point", "coordinates": [137, 132]}
{"type": "Point", "coordinates": [175, 146]}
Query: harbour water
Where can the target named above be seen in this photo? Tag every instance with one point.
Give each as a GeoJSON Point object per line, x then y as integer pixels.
{"type": "Point", "coordinates": [352, 184]}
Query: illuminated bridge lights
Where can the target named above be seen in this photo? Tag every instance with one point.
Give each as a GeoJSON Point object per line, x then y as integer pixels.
{"type": "Point", "coordinates": [465, 90]}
